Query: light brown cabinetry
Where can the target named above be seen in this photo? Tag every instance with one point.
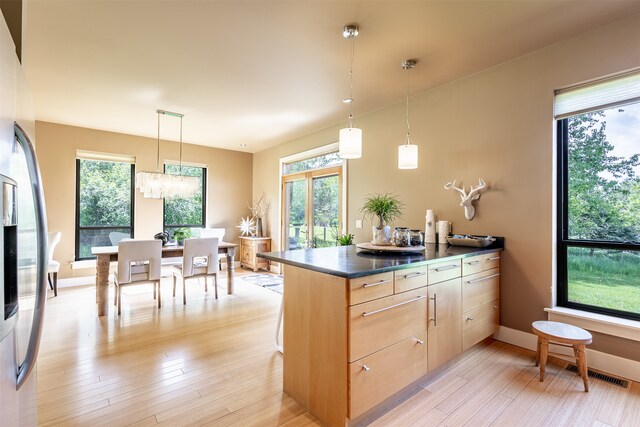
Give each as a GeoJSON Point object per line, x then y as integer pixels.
{"type": "Point", "coordinates": [445, 325]}
{"type": "Point", "coordinates": [249, 247]}
{"type": "Point", "coordinates": [480, 298]}
{"type": "Point", "coordinates": [351, 346]}
{"type": "Point", "coordinates": [376, 377]}
{"type": "Point", "coordinates": [387, 337]}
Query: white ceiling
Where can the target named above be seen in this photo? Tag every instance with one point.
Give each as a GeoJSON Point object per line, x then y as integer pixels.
{"type": "Point", "coordinates": [263, 72]}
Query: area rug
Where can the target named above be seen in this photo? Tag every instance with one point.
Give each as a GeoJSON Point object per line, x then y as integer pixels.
{"type": "Point", "coordinates": [269, 281]}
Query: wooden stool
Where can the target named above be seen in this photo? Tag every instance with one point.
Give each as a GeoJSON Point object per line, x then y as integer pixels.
{"type": "Point", "coordinates": [566, 336]}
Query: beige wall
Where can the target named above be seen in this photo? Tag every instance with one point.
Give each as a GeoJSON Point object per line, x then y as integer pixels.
{"type": "Point", "coordinates": [497, 124]}
{"type": "Point", "coordinates": [228, 187]}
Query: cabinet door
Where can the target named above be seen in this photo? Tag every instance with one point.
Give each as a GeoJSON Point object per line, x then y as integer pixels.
{"type": "Point", "coordinates": [444, 340]}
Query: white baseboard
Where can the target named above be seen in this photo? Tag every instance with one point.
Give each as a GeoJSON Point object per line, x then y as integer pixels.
{"type": "Point", "coordinates": [618, 366]}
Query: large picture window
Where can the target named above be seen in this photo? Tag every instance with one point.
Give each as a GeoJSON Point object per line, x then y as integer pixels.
{"type": "Point", "coordinates": [599, 209]}
{"type": "Point", "coordinates": [186, 212]}
{"type": "Point", "coordinates": [104, 204]}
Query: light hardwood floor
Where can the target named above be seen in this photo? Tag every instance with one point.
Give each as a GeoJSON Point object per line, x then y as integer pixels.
{"type": "Point", "coordinates": [214, 363]}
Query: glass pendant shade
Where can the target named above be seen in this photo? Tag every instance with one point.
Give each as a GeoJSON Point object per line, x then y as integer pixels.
{"type": "Point", "coordinates": [408, 156]}
{"type": "Point", "coordinates": [155, 185]}
{"type": "Point", "coordinates": [350, 143]}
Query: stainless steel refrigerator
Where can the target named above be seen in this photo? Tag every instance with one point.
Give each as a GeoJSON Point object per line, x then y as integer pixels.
{"type": "Point", "coordinates": [23, 259]}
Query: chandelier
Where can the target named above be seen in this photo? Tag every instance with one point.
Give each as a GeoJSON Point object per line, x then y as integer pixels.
{"type": "Point", "coordinates": [158, 185]}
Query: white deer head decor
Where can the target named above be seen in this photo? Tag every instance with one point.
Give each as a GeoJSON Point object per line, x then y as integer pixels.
{"type": "Point", "coordinates": [467, 199]}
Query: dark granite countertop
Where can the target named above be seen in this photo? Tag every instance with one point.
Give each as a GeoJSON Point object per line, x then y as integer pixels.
{"type": "Point", "coordinates": [345, 261]}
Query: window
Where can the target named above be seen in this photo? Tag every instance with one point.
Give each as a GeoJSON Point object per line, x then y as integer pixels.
{"type": "Point", "coordinates": [312, 194]}
{"type": "Point", "coordinates": [104, 204]}
{"type": "Point", "coordinates": [599, 207]}
{"type": "Point", "coordinates": [186, 212]}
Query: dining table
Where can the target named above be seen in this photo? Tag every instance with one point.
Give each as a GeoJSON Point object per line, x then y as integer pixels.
{"type": "Point", "coordinates": [105, 255]}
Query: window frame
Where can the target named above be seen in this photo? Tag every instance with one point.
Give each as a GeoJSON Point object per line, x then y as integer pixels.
{"type": "Point", "coordinates": [78, 227]}
{"type": "Point", "coordinates": [562, 238]}
{"type": "Point", "coordinates": [204, 202]}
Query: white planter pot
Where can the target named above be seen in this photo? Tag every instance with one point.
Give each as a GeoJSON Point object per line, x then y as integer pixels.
{"type": "Point", "coordinates": [381, 236]}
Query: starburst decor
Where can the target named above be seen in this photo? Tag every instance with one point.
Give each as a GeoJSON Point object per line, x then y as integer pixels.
{"type": "Point", "coordinates": [247, 226]}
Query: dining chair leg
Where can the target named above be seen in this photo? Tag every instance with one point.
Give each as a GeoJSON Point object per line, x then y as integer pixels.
{"type": "Point", "coordinates": [55, 284]}
{"type": "Point", "coordinates": [115, 294]}
{"type": "Point", "coordinates": [174, 285]}
{"type": "Point", "coordinates": [154, 292]}
{"type": "Point", "coordinates": [538, 351]}
{"type": "Point", "coordinates": [215, 284]}
{"type": "Point", "coordinates": [119, 299]}
{"type": "Point", "coordinates": [206, 284]}
{"type": "Point", "coordinates": [49, 279]}
{"type": "Point", "coordinates": [159, 300]}
{"type": "Point", "coordinates": [184, 291]}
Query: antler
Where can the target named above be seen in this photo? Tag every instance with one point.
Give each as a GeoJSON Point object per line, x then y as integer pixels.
{"type": "Point", "coordinates": [452, 186]}
{"type": "Point", "coordinates": [473, 191]}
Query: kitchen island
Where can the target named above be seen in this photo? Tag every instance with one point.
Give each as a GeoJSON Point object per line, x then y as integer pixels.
{"type": "Point", "coordinates": [363, 331]}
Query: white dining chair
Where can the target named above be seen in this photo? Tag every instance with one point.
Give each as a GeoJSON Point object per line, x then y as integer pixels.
{"type": "Point", "coordinates": [139, 261]}
{"type": "Point", "coordinates": [199, 259]}
{"type": "Point", "coordinates": [215, 232]}
{"type": "Point", "coordinates": [53, 266]}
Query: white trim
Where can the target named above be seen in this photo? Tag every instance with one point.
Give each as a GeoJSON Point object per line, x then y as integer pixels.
{"type": "Point", "coordinates": [314, 152]}
{"type": "Point", "coordinates": [615, 326]}
{"type": "Point", "coordinates": [191, 164]}
{"type": "Point", "coordinates": [618, 366]}
{"type": "Point", "coordinates": [107, 157]}
{"type": "Point", "coordinates": [87, 263]}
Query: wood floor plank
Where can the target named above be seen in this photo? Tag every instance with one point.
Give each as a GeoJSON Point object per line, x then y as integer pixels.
{"type": "Point", "coordinates": [213, 362]}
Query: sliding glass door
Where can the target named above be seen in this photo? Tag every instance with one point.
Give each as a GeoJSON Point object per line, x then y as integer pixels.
{"type": "Point", "coordinates": [311, 207]}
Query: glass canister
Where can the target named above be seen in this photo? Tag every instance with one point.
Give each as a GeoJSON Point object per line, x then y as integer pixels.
{"type": "Point", "coordinates": [402, 237]}
{"type": "Point", "coordinates": [417, 238]}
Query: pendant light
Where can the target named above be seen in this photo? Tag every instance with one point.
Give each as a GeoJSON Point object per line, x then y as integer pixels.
{"type": "Point", "coordinates": [350, 141]}
{"type": "Point", "coordinates": [408, 152]}
{"type": "Point", "coordinates": [158, 185]}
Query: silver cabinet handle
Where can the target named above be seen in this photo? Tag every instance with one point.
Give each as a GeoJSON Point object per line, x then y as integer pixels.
{"type": "Point", "coordinates": [366, 368]}
{"type": "Point", "coordinates": [493, 258]}
{"type": "Point", "coordinates": [414, 274]}
{"type": "Point", "coordinates": [380, 310]}
{"type": "Point", "coordinates": [378, 283]}
{"type": "Point", "coordinates": [31, 355]}
{"type": "Point", "coordinates": [469, 282]}
{"type": "Point", "coordinates": [435, 309]}
{"type": "Point", "coordinates": [445, 268]}
{"type": "Point", "coordinates": [469, 318]}
{"type": "Point", "coordinates": [420, 342]}
{"type": "Point", "coordinates": [473, 262]}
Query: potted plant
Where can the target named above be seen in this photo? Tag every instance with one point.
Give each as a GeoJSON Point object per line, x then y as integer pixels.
{"type": "Point", "coordinates": [383, 208]}
{"type": "Point", "coordinates": [180, 234]}
{"type": "Point", "coordinates": [345, 240]}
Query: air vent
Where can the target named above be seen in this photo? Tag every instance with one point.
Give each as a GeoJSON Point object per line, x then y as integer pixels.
{"type": "Point", "coordinates": [599, 376]}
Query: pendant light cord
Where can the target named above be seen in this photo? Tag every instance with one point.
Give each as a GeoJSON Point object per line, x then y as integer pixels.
{"type": "Point", "coordinates": [180, 145]}
{"type": "Point", "coordinates": [408, 141]}
{"type": "Point", "coordinates": [158, 158]}
{"type": "Point", "coordinates": [351, 55]}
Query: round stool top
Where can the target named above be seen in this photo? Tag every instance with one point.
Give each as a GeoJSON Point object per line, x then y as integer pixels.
{"type": "Point", "coordinates": [561, 332]}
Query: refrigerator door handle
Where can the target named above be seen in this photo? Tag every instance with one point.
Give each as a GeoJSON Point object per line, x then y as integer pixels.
{"type": "Point", "coordinates": [31, 355]}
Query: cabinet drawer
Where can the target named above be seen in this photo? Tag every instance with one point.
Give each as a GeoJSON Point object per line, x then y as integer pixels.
{"type": "Point", "coordinates": [380, 375]}
{"type": "Point", "coordinates": [368, 288]}
{"type": "Point", "coordinates": [410, 278]}
{"type": "Point", "coordinates": [378, 324]}
{"type": "Point", "coordinates": [479, 263]}
{"type": "Point", "coordinates": [480, 288]}
{"type": "Point", "coordinates": [479, 323]}
{"type": "Point", "coordinates": [444, 271]}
